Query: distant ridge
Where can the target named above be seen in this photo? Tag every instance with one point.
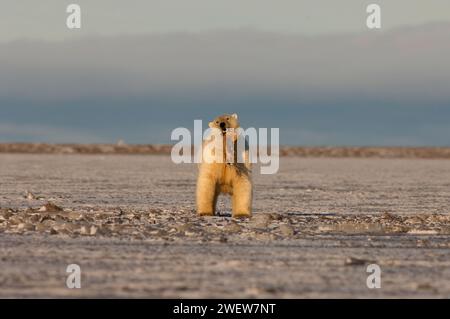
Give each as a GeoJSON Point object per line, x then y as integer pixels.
{"type": "Point", "coordinates": [164, 149]}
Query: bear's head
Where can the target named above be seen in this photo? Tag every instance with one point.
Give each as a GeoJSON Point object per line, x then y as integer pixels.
{"type": "Point", "coordinates": [224, 122]}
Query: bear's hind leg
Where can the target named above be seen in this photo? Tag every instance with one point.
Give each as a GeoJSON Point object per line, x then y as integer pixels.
{"type": "Point", "coordinates": [206, 196]}
{"type": "Point", "coordinates": [242, 198]}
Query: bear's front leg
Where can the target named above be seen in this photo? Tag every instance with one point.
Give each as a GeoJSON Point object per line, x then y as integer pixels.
{"type": "Point", "coordinates": [242, 197]}
{"type": "Point", "coordinates": [206, 196]}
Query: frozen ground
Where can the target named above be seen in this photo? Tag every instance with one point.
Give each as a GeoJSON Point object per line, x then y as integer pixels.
{"type": "Point", "coordinates": [129, 222]}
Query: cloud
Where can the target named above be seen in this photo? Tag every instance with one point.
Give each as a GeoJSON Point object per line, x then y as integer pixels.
{"type": "Point", "coordinates": [368, 88]}
{"type": "Point", "coordinates": [405, 64]}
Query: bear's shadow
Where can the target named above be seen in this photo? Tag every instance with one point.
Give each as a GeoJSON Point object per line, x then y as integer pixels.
{"type": "Point", "coordinates": [223, 214]}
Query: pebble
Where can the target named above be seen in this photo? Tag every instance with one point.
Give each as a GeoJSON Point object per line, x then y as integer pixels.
{"type": "Point", "coordinates": [261, 220]}
{"type": "Point", "coordinates": [93, 230]}
{"type": "Point", "coordinates": [170, 225]}
{"type": "Point", "coordinates": [286, 230]}
{"type": "Point", "coordinates": [50, 207]}
{"type": "Point", "coordinates": [29, 195]}
{"type": "Point", "coordinates": [352, 261]}
{"type": "Point", "coordinates": [232, 227]}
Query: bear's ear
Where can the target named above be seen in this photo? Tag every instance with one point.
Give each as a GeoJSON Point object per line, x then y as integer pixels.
{"type": "Point", "coordinates": [234, 115]}
{"type": "Point", "coordinates": [211, 124]}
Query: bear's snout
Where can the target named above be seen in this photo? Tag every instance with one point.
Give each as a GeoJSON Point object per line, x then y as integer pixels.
{"type": "Point", "coordinates": [222, 125]}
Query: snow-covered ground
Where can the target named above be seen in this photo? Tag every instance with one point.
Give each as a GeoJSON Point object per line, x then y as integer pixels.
{"type": "Point", "coordinates": [129, 222]}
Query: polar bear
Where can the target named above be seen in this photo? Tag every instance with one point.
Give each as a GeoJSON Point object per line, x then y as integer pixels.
{"type": "Point", "coordinates": [230, 176]}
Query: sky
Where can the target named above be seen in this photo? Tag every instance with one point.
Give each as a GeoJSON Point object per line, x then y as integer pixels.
{"type": "Point", "coordinates": [136, 70]}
